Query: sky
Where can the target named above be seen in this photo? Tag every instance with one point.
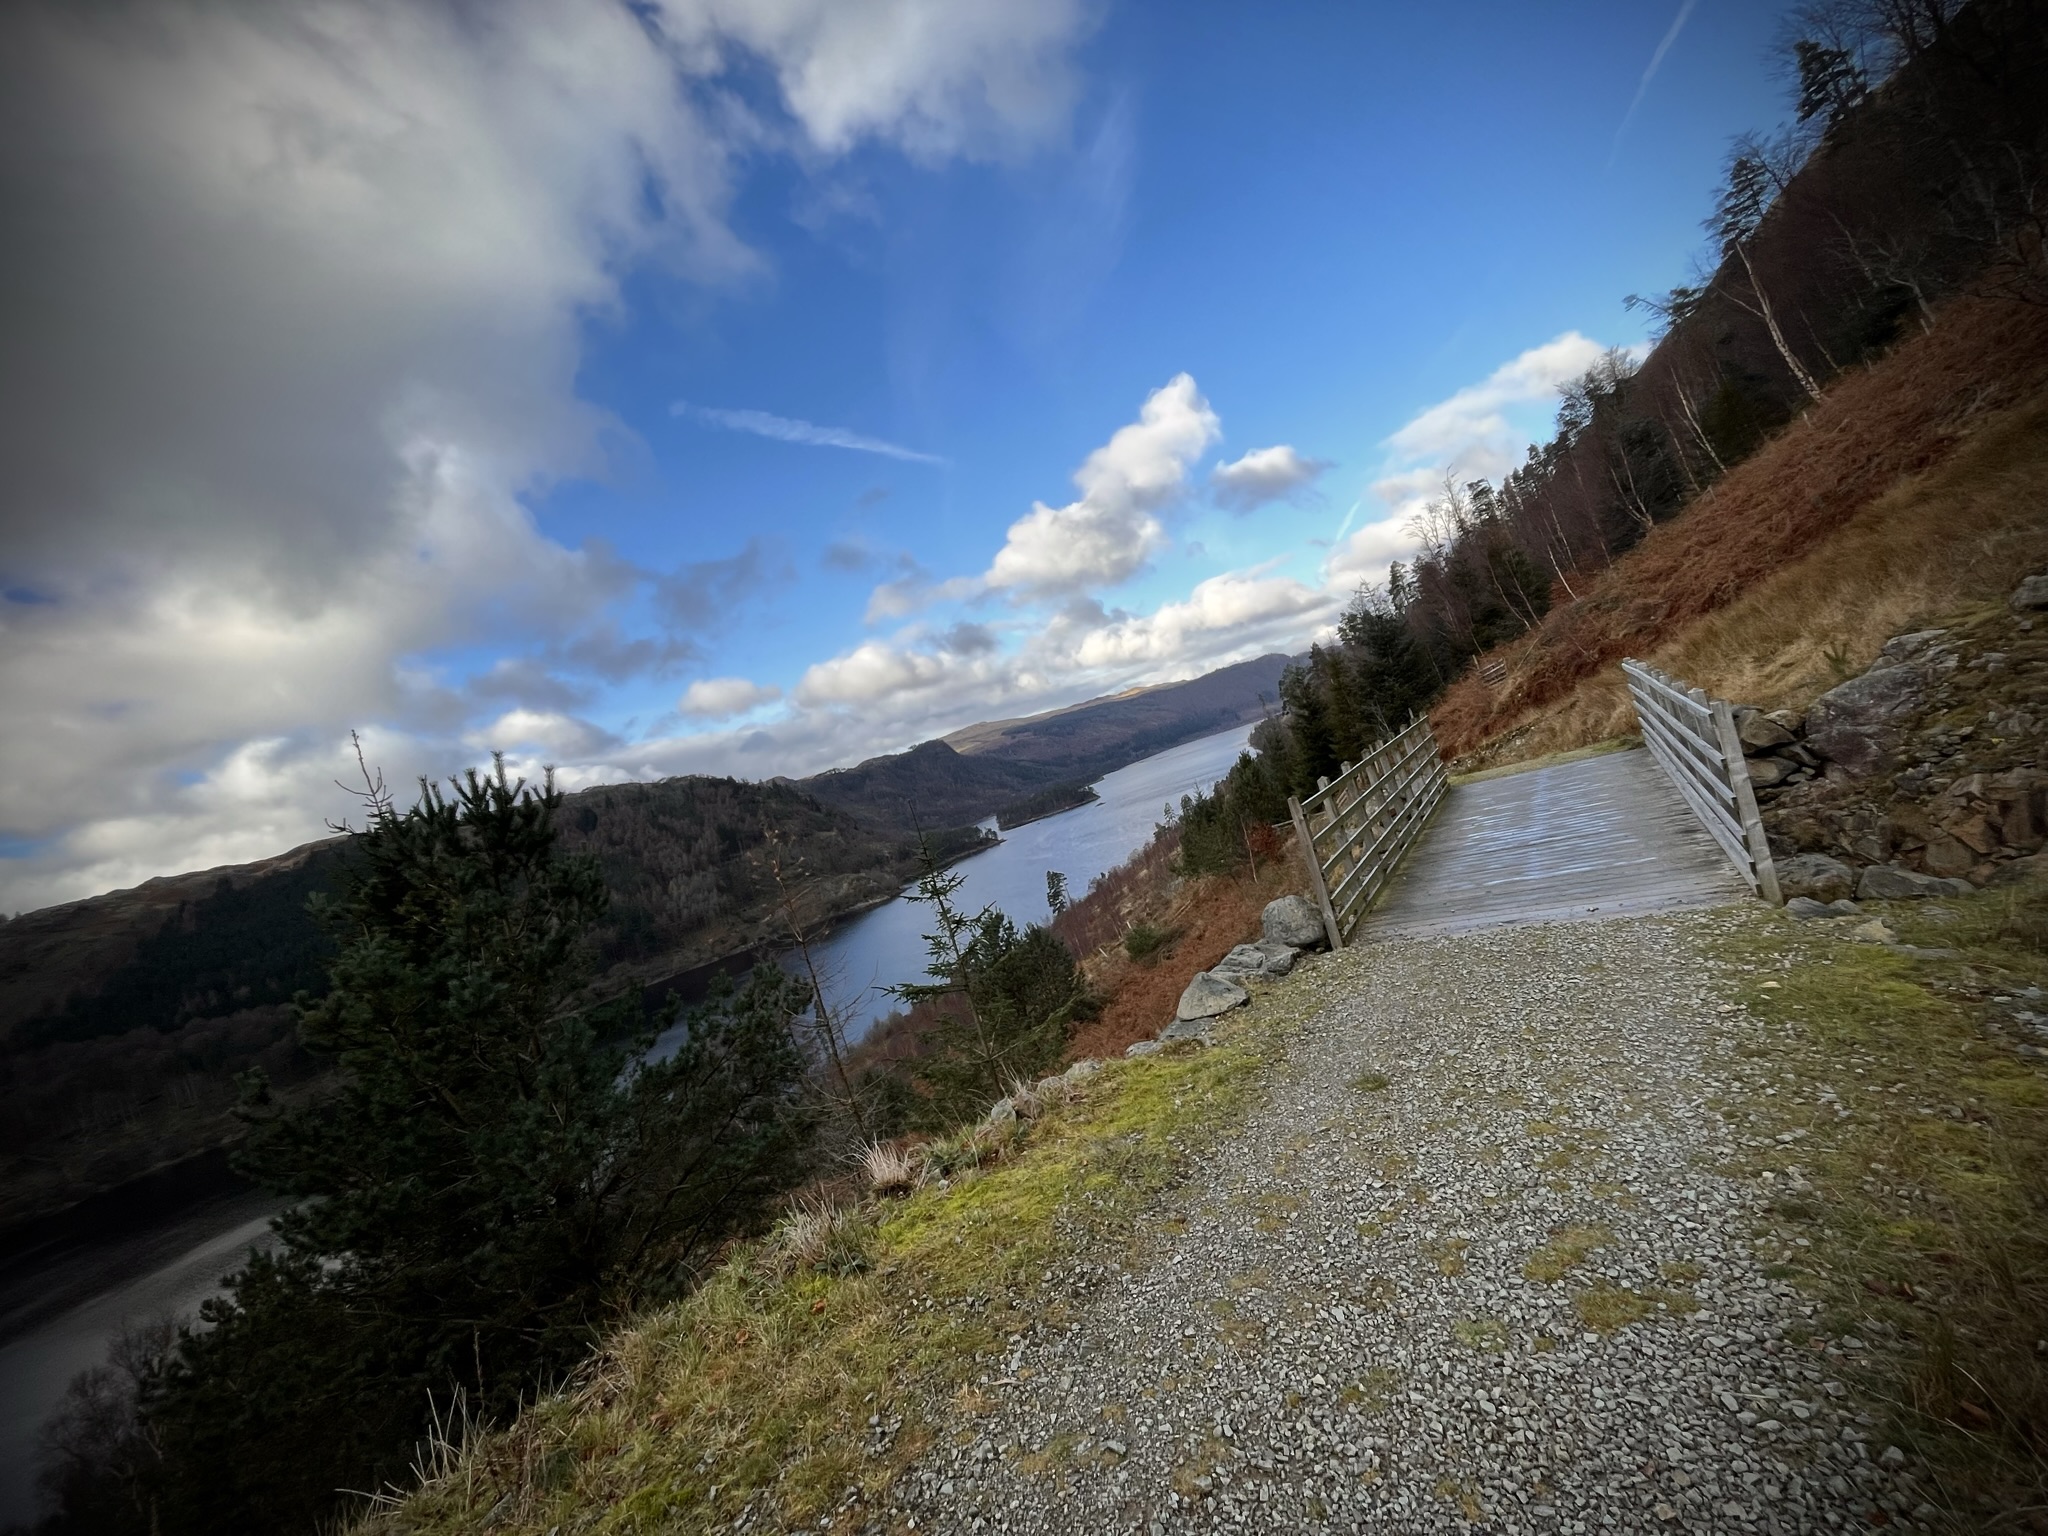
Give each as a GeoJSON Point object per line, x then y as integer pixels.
{"type": "Point", "coordinates": [752, 386]}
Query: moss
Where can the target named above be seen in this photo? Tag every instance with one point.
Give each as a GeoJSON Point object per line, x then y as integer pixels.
{"type": "Point", "coordinates": [1915, 1145]}
{"type": "Point", "coordinates": [1608, 1308]}
{"type": "Point", "coordinates": [1371, 1082]}
{"type": "Point", "coordinates": [1488, 1335]}
{"type": "Point", "coordinates": [1447, 1254]}
{"type": "Point", "coordinates": [1566, 1250]}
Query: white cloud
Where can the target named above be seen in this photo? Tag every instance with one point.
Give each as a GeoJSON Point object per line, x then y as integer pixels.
{"type": "Point", "coordinates": [1111, 530]}
{"type": "Point", "coordinates": [937, 77]}
{"type": "Point", "coordinates": [1237, 612]}
{"type": "Point", "coordinates": [720, 698]}
{"type": "Point", "coordinates": [1363, 557]}
{"type": "Point", "coordinates": [1264, 475]}
{"type": "Point", "coordinates": [790, 429]}
{"type": "Point", "coordinates": [1472, 418]}
{"type": "Point", "coordinates": [872, 673]}
{"type": "Point", "coordinates": [296, 305]}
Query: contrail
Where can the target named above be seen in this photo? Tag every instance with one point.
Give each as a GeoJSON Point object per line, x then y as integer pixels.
{"type": "Point", "coordinates": [1649, 74]}
{"type": "Point", "coordinates": [788, 429]}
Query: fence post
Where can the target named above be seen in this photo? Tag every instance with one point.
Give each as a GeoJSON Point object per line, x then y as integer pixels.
{"type": "Point", "coordinates": [1745, 803]}
{"type": "Point", "coordinates": [1315, 871]}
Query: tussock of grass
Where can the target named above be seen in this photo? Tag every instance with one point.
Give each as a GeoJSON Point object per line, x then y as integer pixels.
{"type": "Point", "coordinates": [1927, 1209]}
{"type": "Point", "coordinates": [794, 1379]}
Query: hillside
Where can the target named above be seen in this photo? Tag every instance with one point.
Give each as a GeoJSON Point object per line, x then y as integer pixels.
{"type": "Point", "coordinates": [124, 1018]}
{"type": "Point", "coordinates": [976, 771]}
{"type": "Point", "coordinates": [1133, 724]}
{"type": "Point", "coordinates": [1909, 488]}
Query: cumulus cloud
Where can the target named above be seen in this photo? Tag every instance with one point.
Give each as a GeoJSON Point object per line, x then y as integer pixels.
{"type": "Point", "coordinates": [790, 429]}
{"type": "Point", "coordinates": [872, 673]}
{"type": "Point", "coordinates": [1112, 529]}
{"type": "Point", "coordinates": [1473, 416]}
{"type": "Point", "coordinates": [1264, 475]}
{"type": "Point", "coordinates": [294, 300]}
{"type": "Point", "coordinates": [1244, 610]}
{"type": "Point", "coordinates": [720, 698]}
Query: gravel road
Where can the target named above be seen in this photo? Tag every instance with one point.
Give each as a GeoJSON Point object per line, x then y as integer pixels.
{"type": "Point", "coordinates": [1473, 1266]}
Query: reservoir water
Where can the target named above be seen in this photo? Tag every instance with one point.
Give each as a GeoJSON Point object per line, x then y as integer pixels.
{"type": "Point", "coordinates": [104, 1267]}
{"type": "Point", "coordinates": [886, 947]}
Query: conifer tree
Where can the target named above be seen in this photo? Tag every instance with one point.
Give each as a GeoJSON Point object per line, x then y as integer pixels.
{"type": "Point", "coordinates": [502, 1168]}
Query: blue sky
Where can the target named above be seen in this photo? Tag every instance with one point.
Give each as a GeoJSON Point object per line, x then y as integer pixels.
{"type": "Point", "coordinates": [704, 386]}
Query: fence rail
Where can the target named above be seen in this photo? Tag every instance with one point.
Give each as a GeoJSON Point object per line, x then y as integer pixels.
{"type": "Point", "coordinates": [1694, 741]}
{"type": "Point", "coordinates": [1355, 829]}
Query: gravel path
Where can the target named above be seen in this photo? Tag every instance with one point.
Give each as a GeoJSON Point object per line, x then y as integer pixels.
{"type": "Point", "coordinates": [1471, 1267]}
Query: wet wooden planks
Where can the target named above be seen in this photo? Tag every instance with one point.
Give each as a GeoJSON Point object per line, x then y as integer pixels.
{"type": "Point", "coordinates": [1606, 837]}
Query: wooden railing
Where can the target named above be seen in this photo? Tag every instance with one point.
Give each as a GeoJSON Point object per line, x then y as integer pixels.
{"type": "Point", "coordinates": [1354, 829]}
{"type": "Point", "coordinates": [1694, 741]}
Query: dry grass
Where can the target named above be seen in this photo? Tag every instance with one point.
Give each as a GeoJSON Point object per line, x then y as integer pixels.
{"type": "Point", "coordinates": [890, 1168]}
{"type": "Point", "coordinates": [1912, 489]}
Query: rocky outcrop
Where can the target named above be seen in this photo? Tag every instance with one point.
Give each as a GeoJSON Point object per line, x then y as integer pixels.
{"type": "Point", "coordinates": [1930, 762]}
{"type": "Point", "coordinates": [1861, 725]}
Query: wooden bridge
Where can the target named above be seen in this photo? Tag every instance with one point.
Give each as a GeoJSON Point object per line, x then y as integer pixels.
{"type": "Point", "coordinates": [1395, 849]}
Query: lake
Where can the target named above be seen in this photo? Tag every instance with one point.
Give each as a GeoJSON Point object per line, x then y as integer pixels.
{"type": "Point", "coordinates": [886, 947]}
{"type": "Point", "coordinates": [182, 1248]}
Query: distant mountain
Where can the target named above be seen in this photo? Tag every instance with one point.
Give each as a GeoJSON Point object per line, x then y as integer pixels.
{"type": "Point", "coordinates": [975, 772]}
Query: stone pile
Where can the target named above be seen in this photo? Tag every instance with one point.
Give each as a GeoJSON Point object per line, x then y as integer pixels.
{"type": "Point", "coordinates": [1287, 927]}
{"type": "Point", "coordinates": [1922, 776]}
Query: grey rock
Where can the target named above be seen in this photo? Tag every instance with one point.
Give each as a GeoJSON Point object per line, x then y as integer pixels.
{"type": "Point", "coordinates": [1861, 725]}
{"type": "Point", "coordinates": [1845, 908]}
{"type": "Point", "coordinates": [1208, 995]}
{"type": "Point", "coordinates": [1806, 909]}
{"type": "Point", "coordinates": [1196, 1030]}
{"type": "Point", "coordinates": [1794, 721]}
{"type": "Point", "coordinates": [1264, 958]}
{"type": "Point", "coordinates": [1759, 732]}
{"type": "Point", "coordinates": [1293, 921]}
{"type": "Point", "coordinates": [1144, 1048]}
{"type": "Point", "coordinates": [2031, 593]}
{"type": "Point", "coordinates": [1002, 1112]}
{"type": "Point", "coordinates": [1082, 1070]}
{"type": "Point", "coordinates": [1893, 882]}
{"type": "Point", "coordinates": [1816, 875]}
{"type": "Point", "coordinates": [1770, 772]}
{"type": "Point", "coordinates": [1901, 648]}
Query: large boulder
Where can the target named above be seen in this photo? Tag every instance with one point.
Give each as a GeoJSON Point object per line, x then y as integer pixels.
{"type": "Point", "coordinates": [1208, 995]}
{"type": "Point", "coordinates": [1862, 724]}
{"type": "Point", "coordinates": [1265, 958]}
{"type": "Point", "coordinates": [1759, 732]}
{"type": "Point", "coordinates": [1293, 921]}
{"type": "Point", "coordinates": [2030, 594]}
{"type": "Point", "coordinates": [1891, 882]}
{"type": "Point", "coordinates": [1817, 876]}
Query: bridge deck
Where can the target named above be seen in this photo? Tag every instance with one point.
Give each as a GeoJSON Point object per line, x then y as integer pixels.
{"type": "Point", "coordinates": [1605, 837]}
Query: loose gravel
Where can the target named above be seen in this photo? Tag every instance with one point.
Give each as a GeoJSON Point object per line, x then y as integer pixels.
{"type": "Point", "coordinates": [1483, 1260]}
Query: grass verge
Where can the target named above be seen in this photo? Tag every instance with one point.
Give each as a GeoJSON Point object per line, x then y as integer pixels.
{"type": "Point", "coordinates": [797, 1392]}
{"type": "Point", "coordinates": [1907, 1130]}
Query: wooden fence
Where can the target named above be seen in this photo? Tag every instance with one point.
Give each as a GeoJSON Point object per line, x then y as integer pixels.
{"type": "Point", "coordinates": [1354, 829]}
{"type": "Point", "coordinates": [1694, 741]}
